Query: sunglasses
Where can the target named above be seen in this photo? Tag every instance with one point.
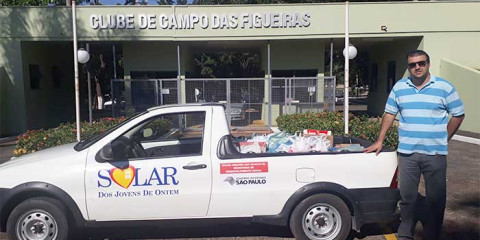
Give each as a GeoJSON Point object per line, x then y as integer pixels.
{"type": "Point", "coordinates": [420, 64]}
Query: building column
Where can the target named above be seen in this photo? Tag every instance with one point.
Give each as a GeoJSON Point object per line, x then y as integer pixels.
{"type": "Point", "coordinates": [13, 116]}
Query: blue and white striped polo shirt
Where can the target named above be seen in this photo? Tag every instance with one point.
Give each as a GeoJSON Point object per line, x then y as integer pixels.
{"type": "Point", "coordinates": [424, 114]}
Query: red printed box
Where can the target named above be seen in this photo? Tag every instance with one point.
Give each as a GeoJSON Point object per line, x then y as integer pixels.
{"type": "Point", "coordinates": [313, 132]}
{"type": "Point", "coordinates": [245, 167]}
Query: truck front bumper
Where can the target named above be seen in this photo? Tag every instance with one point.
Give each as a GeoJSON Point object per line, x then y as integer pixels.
{"type": "Point", "coordinates": [3, 193]}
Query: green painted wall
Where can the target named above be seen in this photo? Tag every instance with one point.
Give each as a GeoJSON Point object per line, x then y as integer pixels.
{"type": "Point", "coordinates": [293, 55]}
{"type": "Point", "coordinates": [48, 100]}
{"type": "Point", "coordinates": [467, 82]}
{"type": "Point", "coordinates": [447, 30]}
{"type": "Point", "coordinates": [149, 56]}
{"type": "Point", "coordinates": [297, 54]}
{"type": "Point", "coordinates": [12, 107]}
{"type": "Point", "coordinates": [3, 100]}
{"type": "Point", "coordinates": [327, 20]}
{"type": "Point", "coordinates": [414, 17]}
{"type": "Point", "coordinates": [463, 48]}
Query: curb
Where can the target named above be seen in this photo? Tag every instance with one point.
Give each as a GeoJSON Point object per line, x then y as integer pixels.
{"type": "Point", "coordinates": [466, 139]}
{"type": "Point", "coordinates": [8, 141]}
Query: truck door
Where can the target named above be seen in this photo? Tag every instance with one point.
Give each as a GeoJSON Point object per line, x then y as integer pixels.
{"type": "Point", "coordinates": [165, 171]}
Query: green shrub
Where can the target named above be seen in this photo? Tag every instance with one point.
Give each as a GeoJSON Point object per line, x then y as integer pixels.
{"type": "Point", "coordinates": [362, 127]}
{"type": "Point", "coordinates": [160, 126]}
{"type": "Point", "coordinates": [35, 140]}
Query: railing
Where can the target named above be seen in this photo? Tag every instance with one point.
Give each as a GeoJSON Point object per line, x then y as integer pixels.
{"type": "Point", "coordinates": [246, 99]}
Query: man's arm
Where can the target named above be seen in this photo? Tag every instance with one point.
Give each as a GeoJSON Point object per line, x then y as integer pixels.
{"type": "Point", "coordinates": [387, 122]}
{"type": "Point", "coordinates": [453, 125]}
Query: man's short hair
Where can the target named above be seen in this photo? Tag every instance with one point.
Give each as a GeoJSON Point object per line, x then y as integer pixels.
{"type": "Point", "coordinates": [414, 53]}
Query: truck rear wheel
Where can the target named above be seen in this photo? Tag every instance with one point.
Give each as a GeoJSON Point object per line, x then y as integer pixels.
{"type": "Point", "coordinates": [321, 217]}
{"type": "Point", "coordinates": [38, 219]}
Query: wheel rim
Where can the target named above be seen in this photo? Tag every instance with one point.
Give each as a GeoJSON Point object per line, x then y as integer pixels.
{"type": "Point", "coordinates": [321, 222]}
{"type": "Point", "coordinates": [37, 225]}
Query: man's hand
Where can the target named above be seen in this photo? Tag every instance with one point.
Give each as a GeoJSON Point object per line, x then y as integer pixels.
{"type": "Point", "coordinates": [453, 125]}
{"type": "Point", "coordinates": [375, 147]}
{"type": "Point", "coordinates": [387, 122]}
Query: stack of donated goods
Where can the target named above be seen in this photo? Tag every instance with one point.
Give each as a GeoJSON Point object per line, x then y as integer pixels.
{"type": "Point", "coordinates": [307, 141]}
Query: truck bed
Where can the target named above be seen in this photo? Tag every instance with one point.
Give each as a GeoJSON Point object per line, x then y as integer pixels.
{"type": "Point", "coordinates": [228, 150]}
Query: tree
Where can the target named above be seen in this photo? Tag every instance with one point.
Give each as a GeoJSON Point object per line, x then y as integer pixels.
{"type": "Point", "coordinates": [358, 67]}
{"type": "Point", "coordinates": [216, 2]}
{"type": "Point", "coordinates": [165, 2]}
{"type": "Point", "coordinates": [172, 2]}
{"type": "Point", "coordinates": [4, 3]}
{"type": "Point", "coordinates": [21, 3]}
{"type": "Point", "coordinates": [225, 2]}
{"type": "Point", "coordinates": [235, 63]}
{"type": "Point", "coordinates": [136, 2]}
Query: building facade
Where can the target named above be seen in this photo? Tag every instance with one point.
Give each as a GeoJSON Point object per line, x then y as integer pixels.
{"type": "Point", "coordinates": [36, 51]}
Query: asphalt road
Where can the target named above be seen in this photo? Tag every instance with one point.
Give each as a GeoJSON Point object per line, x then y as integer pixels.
{"type": "Point", "coordinates": [462, 216]}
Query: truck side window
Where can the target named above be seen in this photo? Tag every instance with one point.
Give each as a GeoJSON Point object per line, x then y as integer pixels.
{"type": "Point", "coordinates": [168, 135]}
{"type": "Point", "coordinates": [174, 135]}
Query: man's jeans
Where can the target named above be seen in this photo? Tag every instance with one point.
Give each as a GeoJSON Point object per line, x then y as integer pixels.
{"type": "Point", "coordinates": [412, 208]}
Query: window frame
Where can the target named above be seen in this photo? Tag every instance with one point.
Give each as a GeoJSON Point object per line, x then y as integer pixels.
{"type": "Point", "coordinates": [204, 112]}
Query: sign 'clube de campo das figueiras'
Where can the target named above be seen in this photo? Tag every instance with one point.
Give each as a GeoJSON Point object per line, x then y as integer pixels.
{"type": "Point", "coordinates": [203, 21]}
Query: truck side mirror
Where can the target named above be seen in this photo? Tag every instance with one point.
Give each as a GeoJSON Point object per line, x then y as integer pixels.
{"type": "Point", "coordinates": [106, 153]}
{"type": "Point", "coordinates": [115, 151]}
{"type": "Point", "coordinates": [120, 148]}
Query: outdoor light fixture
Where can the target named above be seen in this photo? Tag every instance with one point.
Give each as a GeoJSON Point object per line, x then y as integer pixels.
{"type": "Point", "coordinates": [83, 56]}
{"type": "Point", "coordinates": [352, 52]}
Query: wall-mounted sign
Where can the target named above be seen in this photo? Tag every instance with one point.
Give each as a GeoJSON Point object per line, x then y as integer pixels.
{"type": "Point", "coordinates": [203, 21]}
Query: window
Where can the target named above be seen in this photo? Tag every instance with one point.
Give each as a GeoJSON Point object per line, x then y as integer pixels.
{"type": "Point", "coordinates": [171, 135]}
{"type": "Point", "coordinates": [35, 76]}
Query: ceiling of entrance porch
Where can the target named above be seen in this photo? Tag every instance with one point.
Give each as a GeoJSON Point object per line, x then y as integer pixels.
{"type": "Point", "coordinates": [369, 42]}
{"type": "Point", "coordinates": [222, 45]}
{"type": "Point", "coordinates": [338, 43]}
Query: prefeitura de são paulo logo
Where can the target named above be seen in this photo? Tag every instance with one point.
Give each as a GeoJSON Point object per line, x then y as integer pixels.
{"type": "Point", "coordinates": [246, 180]}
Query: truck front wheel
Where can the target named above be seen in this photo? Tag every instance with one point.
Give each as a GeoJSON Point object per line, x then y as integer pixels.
{"type": "Point", "coordinates": [38, 219]}
{"type": "Point", "coordinates": [321, 217]}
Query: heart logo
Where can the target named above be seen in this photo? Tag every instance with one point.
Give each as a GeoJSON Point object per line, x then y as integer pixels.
{"type": "Point", "coordinates": [123, 177]}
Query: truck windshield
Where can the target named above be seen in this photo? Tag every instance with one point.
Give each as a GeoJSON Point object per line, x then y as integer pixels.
{"type": "Point", "coordinates": [88, 142]}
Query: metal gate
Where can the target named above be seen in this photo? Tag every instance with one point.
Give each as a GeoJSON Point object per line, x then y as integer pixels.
{"type": "Point", "coordinates": [301, 94]}
{"type": "Point", "coordinates": [131, 96]}
{"type": "Point", "coordinates": [243, 98]}
{"type": "Point", "coordinates": [249, 102]}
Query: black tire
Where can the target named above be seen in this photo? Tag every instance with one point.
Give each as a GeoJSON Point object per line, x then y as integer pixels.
{"type": "Point", "coordinates": [321, 217]}
{"type": "Point", "coordinates": [44, 216]}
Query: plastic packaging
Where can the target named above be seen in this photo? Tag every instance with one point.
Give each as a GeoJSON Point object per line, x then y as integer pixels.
{"type": "Point", "coordinates": [252, 147]}
{"type": "Point", "coordinates": [276, 140]}
{"type": "Point", "coordinates": [284, 142]}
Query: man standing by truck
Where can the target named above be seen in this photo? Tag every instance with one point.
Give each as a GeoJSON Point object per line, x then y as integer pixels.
{"type": "Point", "coordinates": [423, 102]}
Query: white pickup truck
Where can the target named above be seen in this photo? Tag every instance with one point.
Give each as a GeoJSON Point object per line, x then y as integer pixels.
{"type": "Point", "coordinates": [180, 162]}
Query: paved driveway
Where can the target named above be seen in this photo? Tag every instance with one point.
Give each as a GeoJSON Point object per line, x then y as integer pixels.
{"type": "Point", "coordinates": [462, 216]}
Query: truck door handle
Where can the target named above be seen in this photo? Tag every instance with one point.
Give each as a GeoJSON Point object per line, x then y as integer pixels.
{"type": "Point", "coordinates": [195, 167]}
